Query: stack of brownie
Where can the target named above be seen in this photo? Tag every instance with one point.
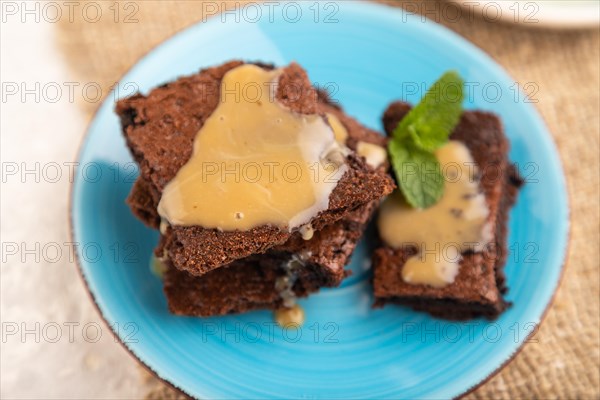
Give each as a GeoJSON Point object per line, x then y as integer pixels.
{"type": "Point", "coordinates": [213, 272]}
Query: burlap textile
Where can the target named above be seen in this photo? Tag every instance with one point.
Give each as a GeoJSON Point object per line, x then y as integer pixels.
{"type": "Point", "coordinates": [564, 363]}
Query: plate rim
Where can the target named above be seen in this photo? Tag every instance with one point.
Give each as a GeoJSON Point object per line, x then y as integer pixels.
{"type": "Point", "coordinates": [548, 18]}
{"type": "Point", "coordinates": [84, 141]}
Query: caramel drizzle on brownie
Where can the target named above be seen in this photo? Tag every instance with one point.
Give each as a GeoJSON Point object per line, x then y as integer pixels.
{"type": "Point", "coordinates": [255, 162]}
{"type": "Point", "coordinates": [442, 232]}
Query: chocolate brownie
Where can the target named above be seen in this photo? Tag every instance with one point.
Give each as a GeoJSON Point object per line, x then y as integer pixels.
{"type": "Point", "coordinates": [160, 129]}
{"type": "Point", "coordinates": [250, 283]}
{"type": "Point", "coordinates": [479, 286]}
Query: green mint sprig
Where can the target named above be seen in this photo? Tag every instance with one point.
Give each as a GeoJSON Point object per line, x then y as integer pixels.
{"type": "Point", "coordinates": [422, 131]}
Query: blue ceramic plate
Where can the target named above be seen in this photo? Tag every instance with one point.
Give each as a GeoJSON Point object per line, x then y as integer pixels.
{"type": "Point", "coordinates": [368, 55]}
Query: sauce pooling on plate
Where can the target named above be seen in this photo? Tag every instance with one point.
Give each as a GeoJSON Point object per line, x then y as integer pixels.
{"type": "Point", "coordinates": [255, 162]}
{"type": "Point", "coordinates": [440, 233]}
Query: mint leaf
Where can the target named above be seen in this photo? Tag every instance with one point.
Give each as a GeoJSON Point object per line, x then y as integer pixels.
{"type": "Point", "coordinates": [422, 131]}
{"type": "Point", "coordinates": [418, 173]}
{"type": "Point", "coordinates": [431, 121]}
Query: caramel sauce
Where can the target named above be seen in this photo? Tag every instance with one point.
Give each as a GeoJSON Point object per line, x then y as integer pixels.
{"type": "Point", "coordinates": [157, 266]}
{"type": "Point", "coordinates": [455, 224]}
{"type": "Point", "coordinates": [374, 155]}
{"type": "Point", "coordinates": [287, 317]}
{"type": "Point", "coordinates": [339, 130]}
{"type": "Point", "coordinates": [307, 231]}
{"type": "Point", "coordinates": [255, 162]}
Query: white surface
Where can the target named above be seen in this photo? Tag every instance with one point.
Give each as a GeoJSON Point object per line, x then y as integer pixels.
{"type": "Point", "coordinates": [541, 13]}
{"type": "Point", "coordinates": [46, 291]}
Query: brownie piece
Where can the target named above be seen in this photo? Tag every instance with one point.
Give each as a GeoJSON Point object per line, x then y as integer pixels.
{"type": "Point", "coordinates": [251, 283]}
{"type": "Point", "coordinates": [143, 204]}
{"type": "Point", "coordinates": [160, 129]}
{"type": "Point", "coordinates": [480, 283]}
